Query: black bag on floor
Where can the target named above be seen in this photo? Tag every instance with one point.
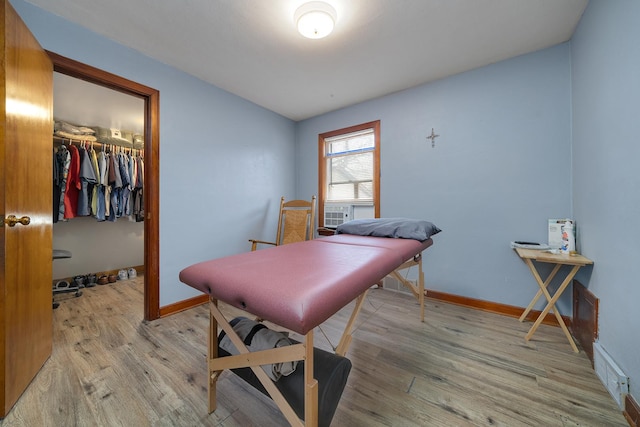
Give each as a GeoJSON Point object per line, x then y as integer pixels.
{"type": "Point", "coordinates": [329, 369]}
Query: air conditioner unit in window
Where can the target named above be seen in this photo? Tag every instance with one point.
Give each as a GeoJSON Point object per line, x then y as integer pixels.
{"type": "Point", "coordinates": [336, 214]}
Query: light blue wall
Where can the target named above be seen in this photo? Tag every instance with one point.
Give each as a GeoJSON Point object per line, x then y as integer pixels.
{"type": "Point", "coordinates": [500, 168]}
{"type": "Point", "coordinates": [606, 155]}
{"type": "Point", "coordinates": [224, 162]}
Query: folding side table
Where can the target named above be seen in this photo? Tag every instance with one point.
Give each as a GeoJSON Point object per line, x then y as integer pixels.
{"type": "Point", "coordinates": [575, 261]}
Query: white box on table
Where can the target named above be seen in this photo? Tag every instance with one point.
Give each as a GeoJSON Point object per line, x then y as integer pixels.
{"type": "Point", "coordinates": [555, 231]}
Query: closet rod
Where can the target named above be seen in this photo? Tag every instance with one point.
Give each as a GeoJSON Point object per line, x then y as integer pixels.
{"type": "Point", "coordinates": [100, 145]}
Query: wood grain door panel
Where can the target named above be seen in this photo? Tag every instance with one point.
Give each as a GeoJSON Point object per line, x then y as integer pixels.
{"type": "Point", "coordinates": [25, 190]}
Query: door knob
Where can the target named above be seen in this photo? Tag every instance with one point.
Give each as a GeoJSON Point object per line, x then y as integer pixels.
{"type": "Point", "coordinates": [12, 220]}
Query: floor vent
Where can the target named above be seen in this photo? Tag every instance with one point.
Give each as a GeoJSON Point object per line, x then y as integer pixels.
{"type": "Point", "coordinates": [615, 381]}
{"type": "Point", "coordinates": [584, 325]}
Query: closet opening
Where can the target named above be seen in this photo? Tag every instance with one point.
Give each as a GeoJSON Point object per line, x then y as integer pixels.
{"type": "Point", "coordinates": [139, 115]}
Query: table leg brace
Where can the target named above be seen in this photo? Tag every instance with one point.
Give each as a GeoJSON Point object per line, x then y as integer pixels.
{"type": "Point", "coordinates": [255, 359]}
{"type": "Point", "coordinates": [551, 303]}
{"type": "Point", "coordinates": [345, 340]}
{"type": "Point", "coordinates": [418, 289]}
{"type": "Point", "coordinates": [538, 280]}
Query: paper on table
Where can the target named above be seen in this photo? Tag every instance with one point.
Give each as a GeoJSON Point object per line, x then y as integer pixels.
{"type": "Point", "coordinates": [541, 246]}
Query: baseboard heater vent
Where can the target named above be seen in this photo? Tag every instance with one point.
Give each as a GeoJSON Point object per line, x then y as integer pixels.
{"type": "Point", "coordinates": [616, 382]}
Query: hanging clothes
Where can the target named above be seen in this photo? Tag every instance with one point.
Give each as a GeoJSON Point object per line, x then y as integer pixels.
{"type": "Point", "coordinates": [96, 172]}
{"type": "Point", "coordinates": [123, 162]}
{"type": "Point", "coordinates": [138, 205]}
{"type": "Point", "coordinates": [73, 184]}
{"type": "Point", "coordinates": [87, 179]}
{"type": "Point", "coordinates": [56, 187]}
{"type": "Point", "coordinates": [61, 161]}
{"type": "Point", "coordinates": [115, 184]}
{"type": "Point", "coordinates": [64, 159]}
{"type": "Point", "coordinates": [138, 199]}
{"type": "Point", "coordinates": [140, 171]}
{"type": "Point", "coordinates": [133, 166]}
{"type": "Point", "coordinates": [106, 185]}
{"type": "Point", "coordinates": [101, 210]}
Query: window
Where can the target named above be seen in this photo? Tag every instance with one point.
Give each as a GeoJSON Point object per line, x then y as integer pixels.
{"type": "Point", "coordinates": [349, 173]}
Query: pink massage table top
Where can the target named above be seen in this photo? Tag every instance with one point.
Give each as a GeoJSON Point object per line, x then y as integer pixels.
{"type": "Point", "coordinates": [300, 285]}
{"type": "Point", "coordinates": [406, 248]}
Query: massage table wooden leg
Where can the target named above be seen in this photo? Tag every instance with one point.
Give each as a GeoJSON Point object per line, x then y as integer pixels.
{"type": "Point", "coordinates": [416, 289]}
{"type": "Point", "coordinates": [255, 359]}
{"type": "Point", "coordinates": [311, 385]}
{"type": "Point", "coordinates": [213, 354]}
{"type": "Point", "coordinates": [421, 294]}
{"type": "Point", "coordinates": [345, 341]}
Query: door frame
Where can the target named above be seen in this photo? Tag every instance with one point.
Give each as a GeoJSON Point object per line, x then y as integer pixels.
{"type": "Point", "coordinates": [151, 99]}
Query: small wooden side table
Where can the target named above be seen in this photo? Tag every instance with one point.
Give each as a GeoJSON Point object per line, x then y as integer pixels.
{"type": "Point", "coordinates": [323, 231]}
{"type": "Point", "coordinates": [576, 261]}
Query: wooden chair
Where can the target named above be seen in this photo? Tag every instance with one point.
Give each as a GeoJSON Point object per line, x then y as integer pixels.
{"type": "Point", "coordinates": [295, 223]}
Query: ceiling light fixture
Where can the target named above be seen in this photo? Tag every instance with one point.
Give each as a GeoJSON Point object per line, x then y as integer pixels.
{"type": "Point", "coordinates": [315, 19]}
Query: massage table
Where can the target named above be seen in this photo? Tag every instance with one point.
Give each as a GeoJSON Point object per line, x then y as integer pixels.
{"type": "Point", "coordinates": [296, 286]}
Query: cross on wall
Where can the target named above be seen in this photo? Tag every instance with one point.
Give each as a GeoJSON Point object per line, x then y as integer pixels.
{"type": "Point", "coordinates": [433, 137]}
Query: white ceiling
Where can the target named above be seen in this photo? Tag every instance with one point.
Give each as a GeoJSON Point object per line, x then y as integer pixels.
{"type": "Point", "coordinates": [251, 47]}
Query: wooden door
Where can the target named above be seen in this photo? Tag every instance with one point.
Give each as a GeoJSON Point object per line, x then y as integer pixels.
{"type": "Point", "coordinates": [26, 331]}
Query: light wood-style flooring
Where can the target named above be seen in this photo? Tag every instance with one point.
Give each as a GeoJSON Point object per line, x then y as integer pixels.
{"type": "Point", "coordinates": [461, 367]}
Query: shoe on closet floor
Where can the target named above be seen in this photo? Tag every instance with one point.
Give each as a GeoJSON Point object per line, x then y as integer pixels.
{"type": "Point", "coordinates": [123, 275]}
{"type": "Point", "coordinates": [90, 280]}
{"type": "Point", "coordinates": [79, 281]}
{"type": "Point", "coordinates": [103, 280]}
{"type": "Point", "coordinates": [62, 284]}
{"type": "Point", "coordinates": [132, 273]}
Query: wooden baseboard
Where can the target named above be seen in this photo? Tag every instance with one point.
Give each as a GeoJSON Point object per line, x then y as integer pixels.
{"type": "Point", "coordinates": [632, 411]}
{"type": "Point", "coordinates": [174, 308]}
{"type": "Point", "coordinates": [494, 307]}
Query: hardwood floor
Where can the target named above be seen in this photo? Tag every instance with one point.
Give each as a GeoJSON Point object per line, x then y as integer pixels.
{"type": "Point", "coordinates": [461, 367]}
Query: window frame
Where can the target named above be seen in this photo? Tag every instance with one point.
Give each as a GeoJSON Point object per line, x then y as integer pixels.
{"type": "Point", "coordinates": [322, 164]}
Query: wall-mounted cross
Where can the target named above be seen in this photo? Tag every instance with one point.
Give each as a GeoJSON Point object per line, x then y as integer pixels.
{"type": "Point", "coordinates": [433, 137]}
